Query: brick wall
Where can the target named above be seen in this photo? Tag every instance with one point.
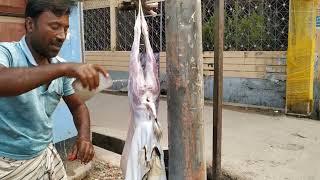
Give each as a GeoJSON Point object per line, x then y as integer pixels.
{"type": "Point", "coordinates": [11, 31]}
{"type": "Point", "coordinates": [12, 7]}
{"type": "Point", "coordinates": [11, 19]}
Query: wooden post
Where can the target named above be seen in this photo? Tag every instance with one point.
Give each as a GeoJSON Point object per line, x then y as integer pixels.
{"type": "Point", "coordinates": [185, 90]}
{"type": "Point", "coordinates": [113, 24]}
{"type": "Point", "coordinates": [218, 89]}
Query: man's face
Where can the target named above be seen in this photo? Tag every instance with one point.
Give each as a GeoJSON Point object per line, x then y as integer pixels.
{"type": "Point", "coordinates": [47, 33]}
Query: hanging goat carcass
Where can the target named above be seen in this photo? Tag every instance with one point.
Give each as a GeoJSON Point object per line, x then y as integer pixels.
{"type": "Point", "coordinates": [142, 157]}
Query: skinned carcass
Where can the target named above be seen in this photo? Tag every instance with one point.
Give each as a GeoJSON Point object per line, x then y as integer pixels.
{"type": "Point", "coordinates": [142, 157]}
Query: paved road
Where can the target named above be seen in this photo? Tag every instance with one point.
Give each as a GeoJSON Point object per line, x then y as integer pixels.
{"type": "Point", "coordinates": [255, 146]}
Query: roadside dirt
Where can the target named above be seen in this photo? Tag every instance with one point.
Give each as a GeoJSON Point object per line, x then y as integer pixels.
{"type": "Point", "coordinates": [104, 171]}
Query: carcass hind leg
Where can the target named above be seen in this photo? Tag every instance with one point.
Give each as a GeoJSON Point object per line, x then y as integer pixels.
{"type": "Point", "coordinates": [157, 169]}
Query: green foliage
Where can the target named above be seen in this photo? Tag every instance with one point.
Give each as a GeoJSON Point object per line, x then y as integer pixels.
{"type": "Point", "coordinates": [243, 31]}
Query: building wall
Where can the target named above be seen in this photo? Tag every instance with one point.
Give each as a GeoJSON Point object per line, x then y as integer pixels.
{"type": "Point", "coordinates": [254, 78]}
{"type": "Point", "coordinates": [11, 28]}
{"type": "Point", "coordinates": [13, 8]}
{"type": "Point", "coordinates": [11, 19]}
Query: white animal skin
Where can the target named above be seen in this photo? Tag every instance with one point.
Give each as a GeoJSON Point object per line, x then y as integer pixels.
{"type": "Point", "coordinates": [142, 157]}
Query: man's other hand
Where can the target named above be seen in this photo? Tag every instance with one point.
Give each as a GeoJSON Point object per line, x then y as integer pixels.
{"type": "Point", "coordinates": [82, 150]}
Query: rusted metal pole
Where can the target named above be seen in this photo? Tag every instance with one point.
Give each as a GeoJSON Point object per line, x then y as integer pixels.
{"type": "Point", "coordinates": [185, 90]}
{"type": "Point", "coordinates": [218, 88]}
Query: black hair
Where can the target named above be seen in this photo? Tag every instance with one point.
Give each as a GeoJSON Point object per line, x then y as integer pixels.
{"type": "Point", "coordinates": [35, 8]}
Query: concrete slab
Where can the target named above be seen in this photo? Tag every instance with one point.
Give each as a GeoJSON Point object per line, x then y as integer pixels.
{"type": "Point", "coordinates": [107, 156]}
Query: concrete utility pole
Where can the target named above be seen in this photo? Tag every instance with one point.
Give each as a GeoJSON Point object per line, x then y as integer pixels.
{"type": "Point", "coordinates": [218, 88]}
{"type": "Point", "coordinates": [185, 90]}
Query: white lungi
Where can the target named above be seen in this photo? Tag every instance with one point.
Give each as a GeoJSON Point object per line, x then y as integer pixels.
{"type": "Point", "coordinates": [47, 166]}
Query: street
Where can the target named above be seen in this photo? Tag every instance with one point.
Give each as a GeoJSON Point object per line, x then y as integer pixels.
{"type": "Point", "coordinates": [254, 146]}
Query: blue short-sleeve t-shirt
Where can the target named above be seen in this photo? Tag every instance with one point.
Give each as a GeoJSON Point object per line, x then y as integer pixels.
{"type": "Point", "coordinates": [25, 120]}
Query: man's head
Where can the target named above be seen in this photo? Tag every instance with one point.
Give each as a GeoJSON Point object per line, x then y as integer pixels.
{"type": "Point", "coordinates": [47, 22]}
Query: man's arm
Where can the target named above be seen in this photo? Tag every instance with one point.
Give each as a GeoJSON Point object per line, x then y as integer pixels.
{"type": "Point", "coordinates": [16, 81]}
{"type": "Point", "coordinates": [83, 149]}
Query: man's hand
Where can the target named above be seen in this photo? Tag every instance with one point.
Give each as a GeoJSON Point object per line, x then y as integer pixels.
{"type": "Point", "coordinates": [82, 150]}
{"type": "Point", "coordinates": [33, 77]}
{"type": "Point", "coordinates": [87, 73]}
{"type": "Point", "coordinates": [148, 8]}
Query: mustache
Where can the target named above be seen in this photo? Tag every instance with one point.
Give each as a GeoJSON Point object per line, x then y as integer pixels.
{"type": "Point", "coordinates": [57, 43]}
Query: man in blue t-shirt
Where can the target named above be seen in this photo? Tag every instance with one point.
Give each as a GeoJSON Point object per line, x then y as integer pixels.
{"type": "Point", "coordinates": [32, 82]}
